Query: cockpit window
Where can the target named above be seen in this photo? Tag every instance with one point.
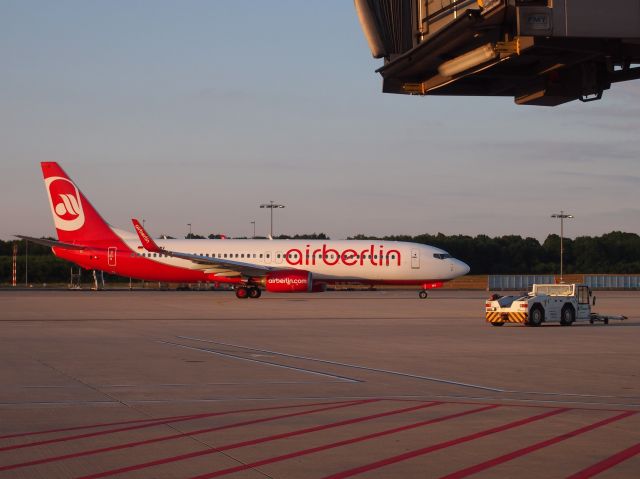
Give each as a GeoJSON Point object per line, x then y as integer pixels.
{"type": "Point", "coordinates": [441, 255]}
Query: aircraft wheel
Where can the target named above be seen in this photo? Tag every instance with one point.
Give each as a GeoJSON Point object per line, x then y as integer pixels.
{"type": "Point", "coordinates": [497, 324]}
{"type": "Point", "coordinates": [254, 292]}
{"type": "Point", "coordinates": [423, 294]}
{"type": "Point", "coordinates": [242, 292]}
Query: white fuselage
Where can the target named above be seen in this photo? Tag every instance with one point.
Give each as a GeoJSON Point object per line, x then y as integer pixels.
{"type": "Point", "coordinates": [347, 260]}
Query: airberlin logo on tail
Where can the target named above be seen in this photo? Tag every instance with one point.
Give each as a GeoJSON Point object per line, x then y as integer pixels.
{"type": "Point", "coordinates": [66, 204]}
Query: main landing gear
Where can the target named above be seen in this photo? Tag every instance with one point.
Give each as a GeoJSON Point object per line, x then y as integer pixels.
{"type": "Point", "coordinates": [243, 292]}
{"type": "Point", "coordinates": [423, 294]}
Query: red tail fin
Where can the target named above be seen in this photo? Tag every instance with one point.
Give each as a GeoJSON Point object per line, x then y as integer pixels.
{"type": "Point", "coordinates": [75, 219]}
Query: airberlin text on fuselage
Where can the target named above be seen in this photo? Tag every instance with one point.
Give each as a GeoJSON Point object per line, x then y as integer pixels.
{"type": "Point", "coordinates": [348, 257]}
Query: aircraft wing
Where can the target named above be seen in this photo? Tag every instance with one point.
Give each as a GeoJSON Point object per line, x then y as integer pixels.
{"type": "Point", "coordinates": [51, 243]}
{"type": "Point", "coordinates": [212, 265]}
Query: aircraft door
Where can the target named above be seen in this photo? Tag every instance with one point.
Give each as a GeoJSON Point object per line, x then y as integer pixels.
{"type": "Point", "coordinates": [111, 256]}
{"type": "Point", "coordinates": [584, 308]}
{"type": "Point", "coordinates": [415, 259]}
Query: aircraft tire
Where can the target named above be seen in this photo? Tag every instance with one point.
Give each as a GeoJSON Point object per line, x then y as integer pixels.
{"type": "Point", "coordinates": [254, 292]}
{"type": "Point", "coordinates": [423, 294]}
{"type": "Point", "coordinates": [242, 292]}
{"type": "Point", "coordinates": [497, 324]}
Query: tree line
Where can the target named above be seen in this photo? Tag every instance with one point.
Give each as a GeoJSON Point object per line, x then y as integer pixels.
{"type": "Point", "coordinates": [612, 253]}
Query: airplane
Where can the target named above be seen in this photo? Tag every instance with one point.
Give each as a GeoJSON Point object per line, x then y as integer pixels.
{"type": "Point", "coordinates": [277, 266]}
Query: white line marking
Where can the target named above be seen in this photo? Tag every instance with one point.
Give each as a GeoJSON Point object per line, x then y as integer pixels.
{"type": "Point", "coordinates": [268, 363]}
{"type": "Point", "coordinates": [352, 366]}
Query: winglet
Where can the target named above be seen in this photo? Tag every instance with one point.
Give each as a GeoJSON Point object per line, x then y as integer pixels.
{"type": "Point", "coordinates": [145, 239]}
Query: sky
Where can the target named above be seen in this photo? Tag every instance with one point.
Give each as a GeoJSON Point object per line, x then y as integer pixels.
{"type": "Point", "coordinates": [199, 111]}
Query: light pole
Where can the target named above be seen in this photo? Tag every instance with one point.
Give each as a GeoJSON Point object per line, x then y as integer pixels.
{"type": "Point", "coordinates": [26, 263]}
{"type": "Point", "coordinates": [254, 229]}
{"type": "Point", "coordinates": [189, 225]}
{"type": "Point", "coordinates": [562, 215]}
{"type": "Point", "coordinates": [271, 205]}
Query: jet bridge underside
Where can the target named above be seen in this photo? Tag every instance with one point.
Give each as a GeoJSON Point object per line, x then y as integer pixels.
{"type": "Point", "coordinates": [549, 72]}
{"type": "Point", "coordinates": [506, 51]}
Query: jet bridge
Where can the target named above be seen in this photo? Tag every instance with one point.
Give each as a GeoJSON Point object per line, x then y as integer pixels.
{"type": "Point", "coordinates": [540, 52]}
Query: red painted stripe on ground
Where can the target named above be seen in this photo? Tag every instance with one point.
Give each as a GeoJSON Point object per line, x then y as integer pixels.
{"type": "Point", "coordinates": [529, 449]}
{"type": "Point", "coordinates": [607, 463]}
{"type": "Point", "coordinates": [346, 442]}
{"type": "Point", "coordinates": [92, 426]}
{"type": "Point", "coordinates": [259, 440]}
{"type": "Point", "coordinates": [174, 436]}
{"type": "Point", "coordinates": [141, 426]}
{"type": "Point", "coordinates": [442, 445]}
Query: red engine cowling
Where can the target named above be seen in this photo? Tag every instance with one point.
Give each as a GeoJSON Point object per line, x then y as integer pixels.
{"type": "Point", "coordinates": [288, 281]}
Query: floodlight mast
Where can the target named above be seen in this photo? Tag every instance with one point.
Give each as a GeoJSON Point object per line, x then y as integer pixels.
{"type": "Point", "coordinates": [562, 215]}
{"type": "Point", "coordinates": [271, 205]}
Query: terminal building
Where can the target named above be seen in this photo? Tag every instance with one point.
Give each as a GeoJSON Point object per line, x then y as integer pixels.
{"type": "Point", "coordinates": [540, 52]}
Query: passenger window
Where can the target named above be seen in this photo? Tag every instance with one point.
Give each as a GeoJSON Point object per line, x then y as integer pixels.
{"type": "Point", "coordinates": [260, 255]}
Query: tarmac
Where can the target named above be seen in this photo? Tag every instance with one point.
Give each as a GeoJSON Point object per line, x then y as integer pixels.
{"type": "Point", "coordinates": [376, 384]}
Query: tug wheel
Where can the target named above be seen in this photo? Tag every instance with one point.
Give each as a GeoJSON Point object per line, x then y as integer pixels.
{"type": "Point", "coordinates": [536, 316]}
{"type": "Point", "coordinates": [567, 316]}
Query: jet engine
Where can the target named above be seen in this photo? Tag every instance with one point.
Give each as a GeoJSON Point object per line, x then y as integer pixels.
{"type": "Point", "coordinates": [288, 281]}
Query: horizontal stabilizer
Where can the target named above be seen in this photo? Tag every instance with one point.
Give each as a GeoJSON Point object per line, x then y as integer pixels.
{"type": "Point", "coordinates": [51, 243]}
